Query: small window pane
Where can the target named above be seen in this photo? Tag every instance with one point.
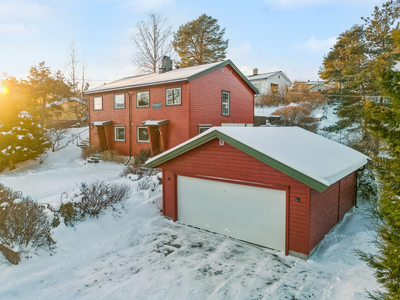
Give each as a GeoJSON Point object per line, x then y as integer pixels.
{"type": "Point", "coordinates": [97, 103]}
{"type": "Point", "coordinates": [173, 96]}
{"type": "Point", "coordinates": [225, 103]}
{"type": "Point", "coordinates": [143, 99]}
{"type": "Point", "coordinates": [120, 133]}
{"type": "Point", "coordinates": [119, 101]}
{"type": "Point", "coordinates": [143, 134]}
{"type": "Point", "coordinates": [203, 128]}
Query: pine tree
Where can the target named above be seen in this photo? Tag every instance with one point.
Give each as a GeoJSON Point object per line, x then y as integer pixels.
{"type": "Point", "coordinates": [47, 87]}
{"type": "Point", "coordinates": [21, 137]}
{"type": "Point", "coordinates": [200, 41]}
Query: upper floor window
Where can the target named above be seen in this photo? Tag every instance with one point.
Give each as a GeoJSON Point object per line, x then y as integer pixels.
{"type": "Point", "coordinates": [173, 96]}
{"type": "Point", "coordinates": [226, 99]}
{"type": "Point", "coordinates": [119, 101]}
{"type": "Point", "coordinates": [98, 103]}
{"type": "Point", "coordinates": [143, 99]}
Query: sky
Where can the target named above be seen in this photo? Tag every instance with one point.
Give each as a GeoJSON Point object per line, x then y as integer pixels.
{"type": "Point", "coordinates": [271, 35]}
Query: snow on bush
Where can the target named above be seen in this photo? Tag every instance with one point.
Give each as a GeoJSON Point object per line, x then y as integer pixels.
{"type": "Point", "coordinates": [23, 224]}
{"type": "Point", "coordinates": [91, 200]}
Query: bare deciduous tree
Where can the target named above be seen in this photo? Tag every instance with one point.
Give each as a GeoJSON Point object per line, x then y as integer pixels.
{"type": "Point", "coordinates": [152, 43]}
{"type": "Point", "coordinates": [57, 138]}
{"type": "Point", "coordinates": [72, 67]}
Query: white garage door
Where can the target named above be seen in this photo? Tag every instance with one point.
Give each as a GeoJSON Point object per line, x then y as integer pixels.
{"type": "Point", "coordinates": [251, 214]}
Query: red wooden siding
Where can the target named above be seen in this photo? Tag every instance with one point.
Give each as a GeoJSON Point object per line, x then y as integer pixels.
{"type": "Point", "coordinates": [329, 207]}
{"type": "Point", "coordinates": [201, 104]}
{"type": "Point", "coordinates": [206, 99]}
{"type": "Point", "coordinates": [212, 159]}
{"type": "Point", "coordinates": [346, 194]}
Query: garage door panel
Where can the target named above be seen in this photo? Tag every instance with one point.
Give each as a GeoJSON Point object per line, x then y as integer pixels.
{"type": "Point", "coordinates": [253, 214]}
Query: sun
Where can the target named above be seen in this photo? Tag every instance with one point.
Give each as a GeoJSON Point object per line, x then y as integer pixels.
{"type": "Point", "coordinates": [4, 90]}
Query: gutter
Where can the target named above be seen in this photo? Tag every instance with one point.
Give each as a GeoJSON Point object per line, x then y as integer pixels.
{"type": "Point", "coordinates": [129, 128]}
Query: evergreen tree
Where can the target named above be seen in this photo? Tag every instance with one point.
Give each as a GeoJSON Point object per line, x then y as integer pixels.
{"type": "Point", "coordinates": [47, 87]}
{"type": "Point", "coordinates": [21, 137]}
{"type": "Point", "coordinates": [200, 41]}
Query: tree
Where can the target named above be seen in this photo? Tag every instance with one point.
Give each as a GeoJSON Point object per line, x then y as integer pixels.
{"type": "Point", "coordinates": [47, 87]}
{"type": "Point", "coordinates": [384, 119]}
{"type": "Point", "coordinates": [72, 67]}
{"type": "Point", "coordinates": [152, 43]}
{"type": "Point", "coordinates": [200, 41]}
{"type": "Point", "coordinates": [21, 137]}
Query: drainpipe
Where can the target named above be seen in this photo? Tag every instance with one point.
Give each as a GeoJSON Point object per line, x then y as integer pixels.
{"type": "Point", "coordinates": [355, 186]}
{"type": "Point", "coordinates": [129, 128]}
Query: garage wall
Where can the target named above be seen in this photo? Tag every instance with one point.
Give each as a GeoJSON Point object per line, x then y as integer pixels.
{"type": "Point", "coordinates": [346, 194]}
{"type": "Point", "coordinates": [212, 159]}
{"type": "Point", "coordinates": [329, 207]}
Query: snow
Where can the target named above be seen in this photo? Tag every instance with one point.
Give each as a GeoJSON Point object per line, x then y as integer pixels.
{"type": "Point", "coordinates": [317, 157]}
{"type": "Point", "coordinates": [141, 255]}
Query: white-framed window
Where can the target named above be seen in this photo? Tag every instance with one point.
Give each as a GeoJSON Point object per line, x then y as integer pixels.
{"type": "Point", "coordinates": [143, 99]}
{"type": "Point", "coordinates": [119, 101]}
{"type": "Point", "coordinates": [119, 133]}
{"type": "Point", "coordinates": [98, 103]}
{"type": "Point", "coordinates": [226, 99]}
{"type": "Point", "coordinates": [173, 96]}
{"type": "Point", "coordinates": [142, 134]}
{"type": "Point", "coordinates": [203, 128]}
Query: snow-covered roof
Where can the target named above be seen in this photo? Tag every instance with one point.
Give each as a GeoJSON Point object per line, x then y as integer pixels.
{"type": "Point", "coordinates": [268, 75]}
{"type": "Point", "coordinates": [301, 154]}
{"type": "Point", "coordinates": [176, 75]}
{"type": "Point", "coordinates": [101, 123]}
{"type": "Point", "coordinates": [155, 122]}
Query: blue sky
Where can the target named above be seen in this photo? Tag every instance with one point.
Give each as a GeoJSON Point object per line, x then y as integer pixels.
{"type": "Point", "coordinates": [287, 35]}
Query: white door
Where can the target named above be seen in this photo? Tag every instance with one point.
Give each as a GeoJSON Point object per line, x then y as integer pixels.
{"type": "Point", "coordinates": [252, 214]}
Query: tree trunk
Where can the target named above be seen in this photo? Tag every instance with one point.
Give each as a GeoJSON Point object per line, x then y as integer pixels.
{"type": "Point", "coordinates": [43, 111]}
{"type": "Point", "coordinates": [12, 257]}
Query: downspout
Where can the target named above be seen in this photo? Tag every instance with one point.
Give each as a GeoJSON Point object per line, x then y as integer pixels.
{"type": "Point", "coordinates": [129, 128]}
{"type": "Point", "coordinates": [355, 186]}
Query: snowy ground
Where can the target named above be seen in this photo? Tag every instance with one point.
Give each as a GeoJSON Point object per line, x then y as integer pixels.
{"type": "Point", "coordinates": [141, 255]}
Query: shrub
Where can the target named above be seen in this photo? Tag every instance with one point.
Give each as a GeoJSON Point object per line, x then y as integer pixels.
{"type": "Point", "coordinates": [113, 155]}
{"type": "Point", "coordinates": [271, 99]}
{"type": "Point", "coordinates": [143, 185]}
{"type": "Point", "coordinates": [296, 116]}
{"type": "Point", "coordinates": [140, 158]}
{"type": "Point", "coordinates": [89, 151]}
{"type": "Point", "coordinates": [92, 199]}
{"type": "Point", "coordinates": [23, 223]}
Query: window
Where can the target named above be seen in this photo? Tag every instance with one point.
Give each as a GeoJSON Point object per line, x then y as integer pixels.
{"type": "Point", "coordinates": [274, 88]}
{"type": "Point", "coordinates": [119, 133]}
{"type": "Point", "coordinates": [143, 99]}
{"type": "Point", "coordinates": [225, 103]}
{"type": "Point", "coordinates": [98, 103]}
{"type": "Point", "coordinates": [173, 96]}
{"type": "Point", "coordinates": [142, 134]}
{"type": "Point", "coordinates": [119, 101]}
{"type": "Point", "coordinates": [203, 128]}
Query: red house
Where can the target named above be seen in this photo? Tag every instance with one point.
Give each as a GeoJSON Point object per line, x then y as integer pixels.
{"type": "Point", "coordinates": [280, 187]}
{"type": "Point", "coordinates": [162, 110]}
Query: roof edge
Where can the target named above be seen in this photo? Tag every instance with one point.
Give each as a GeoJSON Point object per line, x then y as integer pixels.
{"type": "Point", "coordinates": [222, 64]}
{"type": "Point", "coordinates": [214, 133]}
{"type": "Point", "coordinates": [133, 86]}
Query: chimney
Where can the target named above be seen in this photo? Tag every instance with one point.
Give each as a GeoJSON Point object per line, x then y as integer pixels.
{"type": "Point", "coordinates": [167, 63]}
{"type": "Point", "coordinates": [255, 71]}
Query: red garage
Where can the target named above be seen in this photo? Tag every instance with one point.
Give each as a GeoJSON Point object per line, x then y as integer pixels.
{"type": "Point", "coordinates": [279, 187]}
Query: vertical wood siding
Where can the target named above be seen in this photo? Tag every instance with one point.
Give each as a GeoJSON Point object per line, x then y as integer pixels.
{"type": "Point", "coordinates": [212, 159]}
{"type": "Point", "coordinates": [206, 99]}
{"type": "Point", "coordinates": [329, 207]}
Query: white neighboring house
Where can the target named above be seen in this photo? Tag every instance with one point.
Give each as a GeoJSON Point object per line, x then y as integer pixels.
{"type": "Point", "coordinates": [269, 82]}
